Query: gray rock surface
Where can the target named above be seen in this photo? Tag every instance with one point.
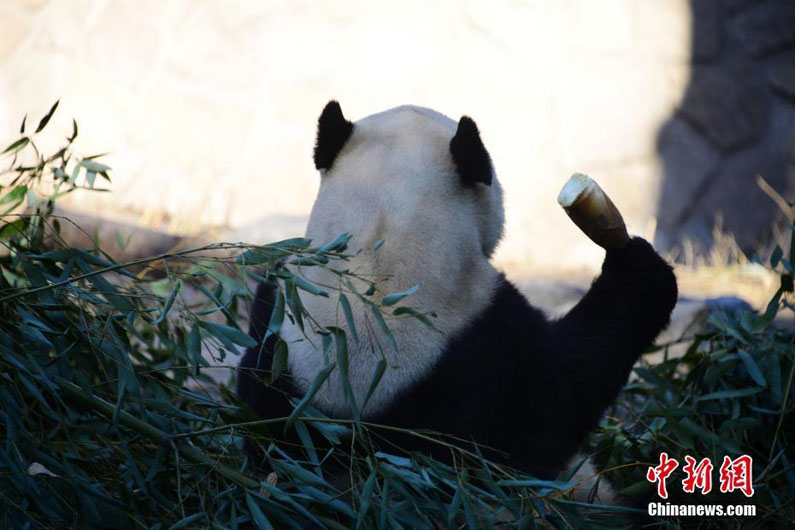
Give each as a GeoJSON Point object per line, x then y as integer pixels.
{"type": "Point", "coordinates": [739, 106]}
{"type": "Point", "coordinates": [707, 34]}
{"type": "Point", "coordinates": [690, 163]}
{"type": "Point", "coordinates": [726, 105]}
{"type": "Point", "coordinates": [781, 74]}
{"type": "Point", "coordinates": [766, 28]}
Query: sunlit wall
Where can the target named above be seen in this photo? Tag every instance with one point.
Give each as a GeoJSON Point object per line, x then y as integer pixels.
{"type": "Point", "coordinates": [208, 108]}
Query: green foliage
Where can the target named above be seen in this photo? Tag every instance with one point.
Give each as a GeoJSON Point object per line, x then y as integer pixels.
{"type": "Point", "coordinates": [109, 419]}
{"type": "Point", "coordinates": [731, 393]}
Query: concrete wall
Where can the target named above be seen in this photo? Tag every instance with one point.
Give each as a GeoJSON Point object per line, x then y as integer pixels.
{"type": "Point", "coordinates": [209, 107]}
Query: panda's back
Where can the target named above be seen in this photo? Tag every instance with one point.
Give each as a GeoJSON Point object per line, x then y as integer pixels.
{"type": "Point", "coordinates": [489, 384]}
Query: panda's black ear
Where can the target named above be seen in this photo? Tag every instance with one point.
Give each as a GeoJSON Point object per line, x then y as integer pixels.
{"type": "Point", "coordinates": [333, 130]}
{"type": "Point", "coordinates": [469, 154]}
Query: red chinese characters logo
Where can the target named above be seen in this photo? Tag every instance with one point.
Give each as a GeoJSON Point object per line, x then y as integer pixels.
{"type": "Point", "coordinates": [698, 476]}
{"type": "Point", "coordinates": [736, 475]}
{"type": "Point", "coordinates": [660, 473]}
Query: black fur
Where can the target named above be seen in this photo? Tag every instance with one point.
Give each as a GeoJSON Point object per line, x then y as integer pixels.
{"type": "Point", "coordinates": [469, 154]}
{"type": "Point", "coordinates": [333, 130]}
{"type": "Point", "coordinates": [256, 363]}
{"type": "Point", "coordinates": [267, 400]}
{"type": "Point", "coordinates": [513, 381]}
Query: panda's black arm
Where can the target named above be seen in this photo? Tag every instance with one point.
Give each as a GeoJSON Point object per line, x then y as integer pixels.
{"type": "Point", "coordinates": [617, 319]}
{"type": "Point", "coordinates": [265, 400]}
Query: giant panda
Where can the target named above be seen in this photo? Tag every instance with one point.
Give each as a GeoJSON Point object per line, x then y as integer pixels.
{"type": "Point", "coordinates": [418, 192]}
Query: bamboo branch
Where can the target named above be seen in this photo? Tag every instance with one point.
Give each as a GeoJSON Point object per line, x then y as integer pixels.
{"type": "Point", "coordinates": [106, 409]}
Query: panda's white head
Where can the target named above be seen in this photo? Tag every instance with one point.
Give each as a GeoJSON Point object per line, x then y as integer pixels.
{"type": "Point", "coordinates": [409, 174]}
{"type": "Point", "coordinates": [424, 185]}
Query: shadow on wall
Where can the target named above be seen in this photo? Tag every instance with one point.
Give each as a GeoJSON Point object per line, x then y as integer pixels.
{"type": "Point", "coordinates": [736, 121]}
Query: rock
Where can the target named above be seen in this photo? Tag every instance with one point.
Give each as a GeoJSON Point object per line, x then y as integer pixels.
{"type": "Point", "coordinates": [781, 74]}
{"type": "Point", "coordinates": [688, 163]}
{"type": "Point", "coordinates": [122, 241]}
{"type": "Point", "coordinates": [734, 196]}
{"type": "Point", "coordinates": [766, 28]}
{"type": "Point", "coordinates": [707, 30]}
{"type": "Point", "coordinates": [734, 6]}
{"type": "Point", "coordinates": [726, 104]}
{"type": "Point", "coordinates": [728, 304]}
{"type": "Point", "coordinates": [690, 317]}
{"type": "Point", "coordinates": [729, 195]}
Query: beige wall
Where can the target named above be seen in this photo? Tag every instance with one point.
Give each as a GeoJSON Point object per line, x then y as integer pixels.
{"type": "Point", "coordinates": [208, 107]}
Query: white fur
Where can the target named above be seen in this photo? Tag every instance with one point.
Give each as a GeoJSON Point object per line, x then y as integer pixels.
{"type": "Point", "coordinates": [589, 488]}
{"type": "Point", "coordinates": [395, 180]}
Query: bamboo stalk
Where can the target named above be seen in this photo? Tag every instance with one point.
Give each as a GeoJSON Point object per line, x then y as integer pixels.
{"type": "Point", "coordinates": [593, 212]}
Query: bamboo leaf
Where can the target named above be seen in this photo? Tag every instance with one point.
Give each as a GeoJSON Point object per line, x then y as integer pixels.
{"type": "Point", "coordinates": [14, 198]}
{"type": "Point", "coordinates": [776, 256]}
{"type": "Point", "coordinates": [228, 334]}
{"type": "Point", "coordinates": [16, 146]}
{"type": "Point", "coordinates": [338, 245]}
{"type": "Point", "coordinates": [168, 304]}
{"type": "Point", "coordinates": [752, 367]}
{"type": "Point", "coordinates": [93, 166]}
{"type": "Point", "coordinates": [724, 394]}
{"type": "Point", "coordinates": [341, 345]}
{"type": "Point", "coordinates": [404, 310]}
{"type": "Point", "coordinates": [257, 515]}
{"type": "Point", "coordinates": [378, 373]}
{"type": "Point", "coordinates": [279, 363]}
{"type": "Point", "coordinates": [384, 328]}
{"type": "Point", "coordinates": [392, 299]}
{"type": "Point", "coordinates": [310, 394]}
{"type": "Point", "coordinates": [74, 131]}
{"type": "Point", "coordinates": [46, 119]}
{"type": "Point", "coordinates": [309, 287]}
{"type": "Point", "coordinates": [348, 312]}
